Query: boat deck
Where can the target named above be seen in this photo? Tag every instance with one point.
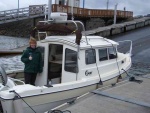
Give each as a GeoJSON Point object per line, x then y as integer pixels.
{"type": "Point", "coordinates": [125, 97]}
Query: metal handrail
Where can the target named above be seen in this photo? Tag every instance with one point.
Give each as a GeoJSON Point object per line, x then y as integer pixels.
{"type": "Point", "coordinates": [38, 10]}
{"type": "Point", "coordinates": [27, 12]}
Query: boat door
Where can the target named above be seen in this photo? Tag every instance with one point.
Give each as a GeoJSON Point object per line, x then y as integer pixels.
{"type": "Point", "coordinates": [55, 62]}
{"type": "Point", "coordinates": [62, 63]}
{"type": "Point", "coordinates": [70, 65]}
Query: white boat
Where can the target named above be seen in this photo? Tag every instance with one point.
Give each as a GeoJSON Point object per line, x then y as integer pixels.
{"type": "Point", "coordinates": [71, 67]}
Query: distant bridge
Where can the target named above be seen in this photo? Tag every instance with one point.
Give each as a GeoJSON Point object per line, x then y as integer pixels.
{"type": "Point", "coordinates": [39, 10]}
{"type": "Point", "coordinates": [22, 13]}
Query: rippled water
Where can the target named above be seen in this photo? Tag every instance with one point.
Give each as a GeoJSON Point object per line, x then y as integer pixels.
{"type": "Point", "coordinates": [7, 42]}
{"type": "Point", "coordinates": [11, 62]}
{"type": "Point", "coordinates": [139, 69]}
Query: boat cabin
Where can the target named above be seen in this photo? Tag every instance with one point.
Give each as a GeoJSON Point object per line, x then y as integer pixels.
{"type": "Point", "coordinates": [63, 62]}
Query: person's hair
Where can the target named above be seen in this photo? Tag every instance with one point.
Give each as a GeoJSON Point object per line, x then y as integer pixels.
{"type": "Point", "coordinates": [32, 40]}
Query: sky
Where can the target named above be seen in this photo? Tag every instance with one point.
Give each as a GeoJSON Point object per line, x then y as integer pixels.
{"type": "Point", "coordinates": [139, 7]}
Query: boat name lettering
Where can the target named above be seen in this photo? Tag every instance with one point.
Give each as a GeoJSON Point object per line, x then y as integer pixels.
{"type": "Point", "coordinates": [87, 73]}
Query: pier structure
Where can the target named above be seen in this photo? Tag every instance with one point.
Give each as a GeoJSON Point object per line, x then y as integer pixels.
{"type": "Point", "coordinates": [125, 97]}
{"type": "Point", "coordinates": [35, 11]}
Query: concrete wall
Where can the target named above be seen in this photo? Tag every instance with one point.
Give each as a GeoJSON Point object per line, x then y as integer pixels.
{"type": "Point", "coordinates": [93, 23]}
{"type": "Point", "coordinates": [130, 26]}
{"type": "Point", "coordinates": [104, 33]}
{"type": "Point", "coordinates": [24, 27]}
{"type": "Point", "coordinates": [20, 28]}
{"type": "Point", "coordinates": [119, 28]}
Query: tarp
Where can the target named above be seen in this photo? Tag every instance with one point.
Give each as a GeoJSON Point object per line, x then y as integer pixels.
{"type": "Point", "coordinates": [58, 29]}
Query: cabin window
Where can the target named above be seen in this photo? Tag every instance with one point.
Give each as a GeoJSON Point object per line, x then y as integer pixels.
{"type": "Point", "coordinates": [103, 54]}
{"type": "Point", "coordinates": [112, 53]}
{"type": "Point", "coordinates": [42, 50]}
{"type": "Point", "coordinates": [90, 56]}
{"type": "Point", "coordinates": [71, 61]}
{"type": "Point", "coordinates": [56, 52]}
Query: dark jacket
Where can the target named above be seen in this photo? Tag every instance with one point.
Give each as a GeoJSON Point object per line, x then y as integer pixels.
{"type": "Point", "coordinates": [34, 65]}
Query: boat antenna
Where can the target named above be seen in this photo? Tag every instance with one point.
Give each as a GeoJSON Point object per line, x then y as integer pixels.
{"type": "Point", "coordinates": [45, 13]}
{"type": "Point", "coordinates": [49, 9]}
{"type": "Point", "coordinates": [72, 9]}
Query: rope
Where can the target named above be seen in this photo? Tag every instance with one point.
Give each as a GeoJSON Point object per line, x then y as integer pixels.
{"type": "Point", "coordinates": [23, 100]}
{"type": "Point", "coordinates": [116, 54]}
{"type": "Point", "coordinates": [132, 78]}
{"type": "Point", "coordinates": [100, 82]}
{"type": "Point", "coordinates": [59, 111]}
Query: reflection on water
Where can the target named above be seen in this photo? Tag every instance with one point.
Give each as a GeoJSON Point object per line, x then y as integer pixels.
{"type": "Point", "coordinates": [11, 62]}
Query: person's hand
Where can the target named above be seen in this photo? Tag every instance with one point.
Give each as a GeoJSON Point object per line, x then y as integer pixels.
{"type": "Point", "coordinates": [30, 57]}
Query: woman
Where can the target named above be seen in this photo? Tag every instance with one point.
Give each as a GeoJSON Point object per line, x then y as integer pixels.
{"type": "Point", "coordinates": [32, 59]}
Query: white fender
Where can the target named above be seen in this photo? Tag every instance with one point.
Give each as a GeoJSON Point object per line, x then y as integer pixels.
{"type": "Point", "coordinates": [3, 76]}
{"type": "Point", "coordinates": [4, 80]}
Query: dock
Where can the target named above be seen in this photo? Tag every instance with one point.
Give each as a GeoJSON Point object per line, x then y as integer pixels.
{"type": "Point", "coordinates": [10, 52]}
{"type": "Point", "coordinates": [16, 51]}
{"type": "Point", "coordinates": [124, 97]}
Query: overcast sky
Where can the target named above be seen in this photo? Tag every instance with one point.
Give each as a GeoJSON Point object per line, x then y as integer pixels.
{"type": "Point", "coordinates": [139, 7]}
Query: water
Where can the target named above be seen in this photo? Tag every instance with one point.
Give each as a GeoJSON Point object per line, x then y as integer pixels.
{"type": "Point", "coordinates": [12, 62]}
{"type": "Point", "coordinates": [139, 69]}
{"type": "Point", "coordinates": [7, 42]}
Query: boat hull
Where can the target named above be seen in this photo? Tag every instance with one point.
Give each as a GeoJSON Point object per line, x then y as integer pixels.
{"type": "Point", "coordinates": [45, 102]}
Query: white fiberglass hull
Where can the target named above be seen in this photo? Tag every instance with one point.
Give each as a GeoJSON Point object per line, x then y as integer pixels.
{"type": "Point", "coordinates": [45, 102]}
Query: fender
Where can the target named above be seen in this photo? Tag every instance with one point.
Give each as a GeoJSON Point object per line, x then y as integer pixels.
{"type": "Point", "coordinates": [3, 76]}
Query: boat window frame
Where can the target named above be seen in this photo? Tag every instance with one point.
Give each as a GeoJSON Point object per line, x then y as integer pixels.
{"type": "Point", "coordinates": [75, 70]}
{"type": "Point", "coordinates": [56, 52]}
{"type": "Point", "coordinates": [106, 54]}
{"type": "Point", "coordinates": [93, 55]}
{"type": "Point", "coordinates": [43, 55]}
{"type": "Point", "coordinates": [114, 50]}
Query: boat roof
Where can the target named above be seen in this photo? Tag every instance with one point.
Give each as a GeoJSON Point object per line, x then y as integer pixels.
{"type": "Point", "coordinates": [94, 41]}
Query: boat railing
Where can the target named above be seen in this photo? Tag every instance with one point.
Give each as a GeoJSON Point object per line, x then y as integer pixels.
{"type": "Point", "coordinates": [125, 47]}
